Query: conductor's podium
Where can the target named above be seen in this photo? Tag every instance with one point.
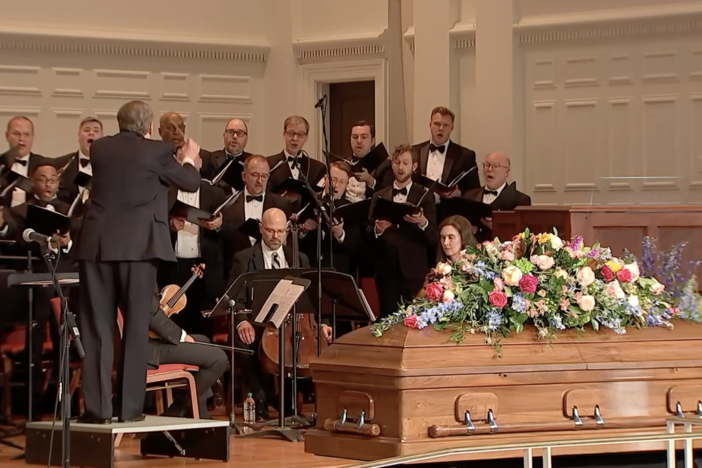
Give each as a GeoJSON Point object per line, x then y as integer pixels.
{"type": "Point", "coordinates": [92, 445]}
{"type": "Point", "coordinates": [409, 392]}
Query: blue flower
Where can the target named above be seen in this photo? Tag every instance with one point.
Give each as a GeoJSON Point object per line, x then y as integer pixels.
{"type": "Point", "coordinates": [557, 323]}
{"type": "Point", "coordinates": [495, 319]}
{"type": "Point", "coordinates": [519, 302]}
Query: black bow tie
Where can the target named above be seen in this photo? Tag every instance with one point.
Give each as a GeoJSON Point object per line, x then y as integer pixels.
{"type": "Point", "coordinates": [250, 198]}
{"type": "Point", "coordinates": [490, 192]}
{"type": "Point", "coordinates": [402, 191]}
{"type": "Point", "coordinates": [84, 162]}
{"type": "Point", "coordinates": [433, 147]}
{"type": "Point", "coordinates": [21, 161]}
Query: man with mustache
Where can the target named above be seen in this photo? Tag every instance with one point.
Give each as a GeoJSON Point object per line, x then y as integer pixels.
{"type": "Point", "coordinates": [404, 252]}
{"type": "Point", "coordinates": [89, 130]}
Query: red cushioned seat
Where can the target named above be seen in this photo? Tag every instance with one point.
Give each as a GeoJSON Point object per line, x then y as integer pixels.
{"type": "Point", "coordinates": [220, 338]}
{"type": "Point", "coordinates": [13, 342]}
{"type": "Point", "coordinates": [162, 369]}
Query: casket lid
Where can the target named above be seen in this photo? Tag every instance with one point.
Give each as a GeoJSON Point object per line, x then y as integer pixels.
{"type": "Point", "coordinates": [404, 351]}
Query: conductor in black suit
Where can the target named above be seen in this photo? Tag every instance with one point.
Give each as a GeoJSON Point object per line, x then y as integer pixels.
{"type": "Point", "coordinates": [123, 237]}
{"type": "Point", "coordinates": [404, 252]}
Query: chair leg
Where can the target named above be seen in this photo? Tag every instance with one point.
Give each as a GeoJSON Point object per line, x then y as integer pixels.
{"type": "Point", "coordinates": [6, 390]}
{"type": "Point", "coordinates": [159, 402]}
{"type": "Point", "coordinates": [193, 397]}
{"type": "Point", "coordinates": [118, 439]}
{"type": "Point", "coordinates": [169, 397]}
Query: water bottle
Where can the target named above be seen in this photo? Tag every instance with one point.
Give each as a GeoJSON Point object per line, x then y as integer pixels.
{"type": "Point", "coordinates": [249, 410]}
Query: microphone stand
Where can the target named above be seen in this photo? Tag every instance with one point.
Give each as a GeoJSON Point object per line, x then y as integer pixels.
{"type": "Point", "coordinates": [323, 104]}
{"type": "Point", "coordinates": [69, 329]}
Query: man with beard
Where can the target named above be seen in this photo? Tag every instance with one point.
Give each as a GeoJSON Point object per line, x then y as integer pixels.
{"type": "Point", "coordinates": [89, 130]}
{"type": "Point", "coordinates": [404, 252]}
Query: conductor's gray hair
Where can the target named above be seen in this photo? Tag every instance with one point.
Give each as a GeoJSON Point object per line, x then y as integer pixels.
{"type": "Point", "coordinates": [135, 116]}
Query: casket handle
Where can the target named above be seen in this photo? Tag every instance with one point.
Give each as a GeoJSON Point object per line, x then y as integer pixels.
{"type": "Point", "coordinates": [597, 416]}
{"type": "Point", "coordinates": [491, 421]}
{"type": "Point", "coordinates": [359, 427]}
{"type": "Point", "coordinates": [469, 423]}
{"type": "Point", "coordinates": [576, 417]}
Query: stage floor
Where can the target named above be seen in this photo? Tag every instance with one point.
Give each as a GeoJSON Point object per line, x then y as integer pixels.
{"type": "Point", "coordinates": [249, 453]}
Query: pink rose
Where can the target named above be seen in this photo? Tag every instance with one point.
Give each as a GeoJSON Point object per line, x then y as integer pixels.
{"type": "Point", "coordinates": [498, 299]}
{"type": "Point", "coordinates": [534, 259]}
{"type": "Point", "coordinates": [528, 284]}
{"type": "Point", "coordinates": [507, 256]}
{"type": "Point", "coordinates": [411, 321]}
{"type": "Point", "coordinates": [633, 268]}
{"type": "Point", "coordinates": [586, 303]}
{"type": "Point", "coordinates": [613, 289]}
{"type": "Point", "coordinates": [544, 262]}
{"type": "Point", "coordinates": [607, 273]}
{"type": "Point", "coordinates": [564, 304]}
{"type": "Point", "coordinates": [434, 291]}
{"type": "Point", "coordinates": [624, 275]}
{"type": "Point", "coordinates": [673, 311]}
{"type": "Point", "coordinates": [499, 284]}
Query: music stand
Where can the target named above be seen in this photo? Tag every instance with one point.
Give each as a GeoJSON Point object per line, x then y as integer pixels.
{"type": "Point", "coordinates": [341, 297]}
{"type": "Point", "coordinates": [254, 289]}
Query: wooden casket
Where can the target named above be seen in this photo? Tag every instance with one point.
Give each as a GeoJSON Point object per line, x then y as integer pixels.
{"type": "Point", "coordinates": [413, 389]}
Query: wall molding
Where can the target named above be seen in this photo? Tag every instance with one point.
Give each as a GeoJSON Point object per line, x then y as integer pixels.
{"type": "Point", "coordinates": [461, 35]}
{"type": "Point", "coordinates": [630, 22]}
{"type": "Point", "coordinates": [334, 48]}
{"type": "Point", "coordinates": [57, 42]}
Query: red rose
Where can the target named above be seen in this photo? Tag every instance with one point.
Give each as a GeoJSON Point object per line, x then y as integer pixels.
{"type": "Point", "coordinates": [528, 284]}
{"type": "Point", "coordinates": [434, 291]}
{"type": "Point", "coordinates": [673, 311]}
{"type": "Point", "coordinates": [624, 275]}
{"type": "Point", "coordinates": [411, 321]}
{"type": "Point", "coordinates": [607, 273]}
{"type": "Point", "coordinates": [498, 299]}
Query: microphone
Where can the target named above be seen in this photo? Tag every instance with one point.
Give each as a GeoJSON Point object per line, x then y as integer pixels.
{"type": "Point", "coordinates": [30, 235]}
{"type": "Point", "coordinates": [320, 102]}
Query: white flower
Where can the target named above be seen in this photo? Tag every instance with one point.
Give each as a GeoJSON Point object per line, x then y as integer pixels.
{"type": "Point", "coordinates": [448, 296]}
{"type": "Point", "coordinates": [556, 242]}
{"type": "Point", "coordinates": [657, 288]}
{"type": "Point", "coordinates": [443, 268]}
{"type": "Point", "coordinates": [512, 275]}
{"type": "Point", "coordinates": [586, 303]}
{"type": "Point", "coordinates": [586, 276]}
{"type": "Point", "coordinates": [615, 290]}
{"type": "Point", "coordinates": [634, 270]}
{"type": "Point", "coordinates": [633, 300]}
{"type": "Point", "coordinates": [561, 273]}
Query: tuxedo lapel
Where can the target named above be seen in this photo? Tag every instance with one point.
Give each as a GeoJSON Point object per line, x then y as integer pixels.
{"type": "Point", "coordinates": [258, 261]}
{"type": "Point", "coordinates": [505, 198]}
{"type": "Point", "coordinates": [452, 153]}
{"type": "Point", "coordinates": [423, 159]}
{"type": "Point", "coordinates": [219, 159]}
{"type": "Point", "coordinates": [415, 194]}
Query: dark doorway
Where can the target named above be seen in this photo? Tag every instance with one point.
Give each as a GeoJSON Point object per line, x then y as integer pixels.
{"type": "Point", "coordinates": [349, 103]}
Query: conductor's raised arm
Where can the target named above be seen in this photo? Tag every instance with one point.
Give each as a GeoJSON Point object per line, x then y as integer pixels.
{"type": "Point", "coordinates": [182, 172]}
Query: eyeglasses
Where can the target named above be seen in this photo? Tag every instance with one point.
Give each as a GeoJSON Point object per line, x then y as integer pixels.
{"type": "Point", "coordinates": [291, 134]}
{"type": "Point", "coordinates": [258, 176]}
{"type": "Point", "coordinates": [493, 166]}
{"type": "Point", "coordinates": [280, 232]}
{"type": "Point", "coordinates": [239, 133]}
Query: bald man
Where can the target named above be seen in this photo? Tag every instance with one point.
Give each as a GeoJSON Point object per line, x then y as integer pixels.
{"type": "Point", "coordinates": [271, 253]}
{"type": "Point", "coordinates": [193, 244]}
{"type": "Point", "coordinates": [496, 192]}
{"type": "Point", "coordinates": [236, 135]}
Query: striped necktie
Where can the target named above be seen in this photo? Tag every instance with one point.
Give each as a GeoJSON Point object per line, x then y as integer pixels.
{"type": "Point", "coordinates": [275, 261]}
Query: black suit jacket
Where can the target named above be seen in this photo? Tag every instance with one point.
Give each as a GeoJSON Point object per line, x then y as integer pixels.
{"type": "Point", "coordinates": [234, 217]}
{"type": "Point", "coordinates": [508, 200]}
{"type": "Point", "coordinates": [408, 247]}
{"type": "Point", "coordinates": [311, 168]}
{"type": "Point", "coordinates": [458, 159]}
{"type": "Point", "coordinates": [6, 164]}
{"type": "Point", "coordinates": [127, 217]}
{"type": "Point", "coordinates": [68, 191]}
{"type": "Point", "coordinates": [167, 331]}
{"type": "Point", "coordinates": [251, 259]}
{"type": "Point", "coordinates": [211, 243]}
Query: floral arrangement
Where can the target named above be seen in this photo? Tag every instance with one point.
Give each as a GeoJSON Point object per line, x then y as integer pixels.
{"type": "Point", "coordinates": [552, 284]}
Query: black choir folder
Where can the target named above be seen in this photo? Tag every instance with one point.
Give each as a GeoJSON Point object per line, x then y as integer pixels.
{"type": "Point", "coordinates": [45, 221]}
{"type": "Point", "coordinates": [388, 210]}
{"type": "Point", "coordinates": [231, 172]}
{"type": "Point", "coordinates": [251, 228]}
{"type": "Point", "coordinates": [370, 162]}
{"type": "Point", "coordinates": [15, 180]}
{"type": "Point", "coordinates": [353, 214]}
{"type": "Point", "coordinates": [196, 215]}
{"type": "Point", "coordinates": [437, 185]}
{"type": "Point", "coordinates": [472, 210]}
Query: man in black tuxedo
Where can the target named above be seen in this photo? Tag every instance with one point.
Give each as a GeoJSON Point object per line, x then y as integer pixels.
{"type": "Point", "coordinates": [296, 164]}
{"type": "Point", "coordinates": [236, 135]}
{"type": "Point", "coordinates": [20, 158]}
{"type": "Point", "coordinates": [193, 244]}
{"type": "Point", "coordinates": [123, 237]}
{"type": "Point", "coordinates": [89, 130]}
{"type": "Point", "coordinates": [175, 346]}
{"type": "Point", "coordinates": [497, 193]}
{"type": "Point", "coordinates": [251, 204]}
{"type": "Point", "coordinates": [404, 252]}
{"type": "Point", "coordinates": [345, 237]}
{"type": "Point", "coordinates": [269, 254]}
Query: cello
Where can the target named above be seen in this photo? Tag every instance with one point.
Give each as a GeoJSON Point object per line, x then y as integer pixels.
{"type": "Point", "coordinates": [306, 334]}
{"type": "Point", "coordinates": [172, 297]}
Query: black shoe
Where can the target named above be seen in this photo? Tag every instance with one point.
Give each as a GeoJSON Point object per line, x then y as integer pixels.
{"type": "Point", "coordinates": [86, 418]}
{"type": "Point", "coordinates": [139, 418]}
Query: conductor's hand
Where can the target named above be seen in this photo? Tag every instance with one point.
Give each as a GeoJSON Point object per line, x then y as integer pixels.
{"type": "Point", "coordinates": [63, 240]}
{"type": "Point", "coordinates": [177, 224]}
{"type": "Point", "coordinates": [189, 339]}
{"type": "Point", "coordinates": [246, 332]}
{"type": "Point", "coordinates": [215, 223]}
{"type": "Point", "coordinates": [190, 151]}
{"type": "Point", "coordinates": [418, 219]}
{"type": "Point", "coordinates": [381, 226]}
{"type": "Point", "coordinates": [327, 332]}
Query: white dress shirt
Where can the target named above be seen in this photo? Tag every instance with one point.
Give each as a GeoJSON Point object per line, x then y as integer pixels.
{"type": "Point", "coordinates": [268, 257]}
{"type": "Point", "coordinates": [253, 209]}
{"type": "Point", "coordinates": [295, 171]}
{"type": "Point", "coordinates": [401, 198]}
{"type": "Point", "coordinates": [489, 197]}
{"type": "Point", "coordinates": [436, 162]}
{"type": "Point", "coordinates": [187, 243]}
{"type": "Point", "coordinates": [356, 190]}
{"type": "Point", "coordinates": [19, 196]}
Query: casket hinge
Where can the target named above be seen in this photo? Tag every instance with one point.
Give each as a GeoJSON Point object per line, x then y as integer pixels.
{"type": "Point", "coordinates": [360, 426]}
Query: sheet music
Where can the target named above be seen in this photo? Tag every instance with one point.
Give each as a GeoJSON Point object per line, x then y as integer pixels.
{"type": "Point", "coordinates": [285, 294]}
{"type": "Point", "coordinates": [367, 306]}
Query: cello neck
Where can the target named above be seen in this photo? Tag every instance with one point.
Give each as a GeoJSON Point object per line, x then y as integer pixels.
{"type": "Point", "coordinates": [295, 246]}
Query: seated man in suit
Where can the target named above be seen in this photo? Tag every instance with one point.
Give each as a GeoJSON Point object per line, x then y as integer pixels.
{"type": "Point", "coordinates": [497, 193]}
{"type": "Point", "coordinates": [404, 252]}
{"type": "Point", "coordinates": [269, 254]}
{"type": "Point", "coordinates": [175, 346]}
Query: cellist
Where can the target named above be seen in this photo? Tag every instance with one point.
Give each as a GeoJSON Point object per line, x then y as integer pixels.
{"type": "Point", "coordinates": [270, 253]}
